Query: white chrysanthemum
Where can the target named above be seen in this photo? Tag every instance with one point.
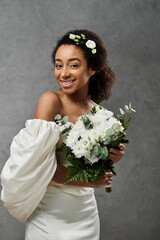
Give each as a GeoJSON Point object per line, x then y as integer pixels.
{"type": "Point", "coordinates": [79, 149]}
{"type": "Point", "coordinates": [72, 138]}
{"type": "Point", "coordinates": [92, 136]}
{"type": "Point", "coordinates": [85, 139]}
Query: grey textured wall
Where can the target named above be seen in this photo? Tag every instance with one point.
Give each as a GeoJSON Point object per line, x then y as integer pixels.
{"type": "Point", "coordinates": [131, 32]}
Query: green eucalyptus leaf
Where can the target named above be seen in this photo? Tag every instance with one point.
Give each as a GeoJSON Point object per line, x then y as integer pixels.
{"type": "Point", "coordinates": [107, 141]}
{"type": "Point", "coordinates": [92, 155]}
{"type": "Point", "coordinates": [87, 123]}
{"type": "Point", "coordinates": [94, 151]}
{"type": "Point", "coordinates": [64, 120]}
{"type": "Point", "coordinates": [88, 126]}
{"type": "Point", "coordinates": [66, 129]}
{"type": "Point", "coordinates": [58, 117]}
{"type": "Point", "coordinates": [104, 152]}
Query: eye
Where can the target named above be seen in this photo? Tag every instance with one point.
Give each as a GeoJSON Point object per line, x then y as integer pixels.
{"type": "Point", "coordinates": [74, 65]}
{"type": "Point", "coordinates": [58, 65]}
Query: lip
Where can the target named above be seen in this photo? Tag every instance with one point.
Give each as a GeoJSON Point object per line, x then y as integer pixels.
{"type": "Point", "coordinates": [67, 84]}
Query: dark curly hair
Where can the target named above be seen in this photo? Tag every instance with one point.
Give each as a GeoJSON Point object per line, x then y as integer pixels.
{"type": "Point", "coordinates": [101, 82]}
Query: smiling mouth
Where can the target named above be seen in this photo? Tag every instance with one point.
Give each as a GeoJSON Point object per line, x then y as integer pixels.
{"type": "Point", "coordinates": [67, 83]}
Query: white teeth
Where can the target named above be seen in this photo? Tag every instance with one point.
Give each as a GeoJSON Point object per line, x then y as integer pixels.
{"type": "Point", "coordinates": [65, 83]}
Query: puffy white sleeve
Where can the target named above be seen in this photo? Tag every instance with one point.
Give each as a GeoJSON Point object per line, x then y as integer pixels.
{"type": "Point", "coordinates": [30, 168]}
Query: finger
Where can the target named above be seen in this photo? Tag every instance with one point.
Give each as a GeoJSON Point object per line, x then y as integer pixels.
{"type": "Point", "coordinates": [122, 146]}
{"type": "Point", "coordinates": [108, 177]}
{"type": "Point", "coordinates": [118, 151]}
{"type": "Point", "coordinates": [115, 151]}
{"type": "Point", "coordinates": [108, 183]}
{"type": "Point", "coordinates": [108, 174]}
{"type": "Point", "coordinates": [113, 156]}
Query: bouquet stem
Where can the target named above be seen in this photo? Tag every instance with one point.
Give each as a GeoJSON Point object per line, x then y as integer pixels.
{"type": "Point", "coordinates": [108, 189]}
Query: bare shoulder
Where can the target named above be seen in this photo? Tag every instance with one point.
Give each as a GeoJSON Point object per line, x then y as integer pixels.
{"type": "Point", "coordinates": [49, 104]}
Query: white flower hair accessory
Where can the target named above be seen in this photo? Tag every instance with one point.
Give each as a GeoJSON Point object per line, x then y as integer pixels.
{"type": "Point", "coordinates": [80, 39]}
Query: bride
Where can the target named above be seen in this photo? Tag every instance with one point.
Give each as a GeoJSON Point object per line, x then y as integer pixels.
{"type": "Point", "coordinates": [33, 188]}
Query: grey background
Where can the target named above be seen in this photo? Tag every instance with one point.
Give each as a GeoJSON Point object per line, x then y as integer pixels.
{"type": "Point", "coordinates": [131, 31]}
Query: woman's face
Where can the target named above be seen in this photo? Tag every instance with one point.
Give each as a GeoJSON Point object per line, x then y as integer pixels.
{"type": "Point", "coordinates": [71, 70]}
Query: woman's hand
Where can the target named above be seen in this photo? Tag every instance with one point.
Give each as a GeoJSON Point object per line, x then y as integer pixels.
{"type": "Point", "coordinates": [103, 181]}
{"type": "Point", "coordinates": [117, 154]}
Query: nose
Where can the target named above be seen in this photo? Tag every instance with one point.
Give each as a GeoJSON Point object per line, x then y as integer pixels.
{"type": "Point", "coordinates": [65, 73]}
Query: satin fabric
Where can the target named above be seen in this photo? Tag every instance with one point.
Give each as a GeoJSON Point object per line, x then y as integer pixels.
{"type": "Point", "coordinates": [30, 168]}
{"type": "Point", "coordinates": [64, 216]}
{"type": "Point", "coordinates": [53, 211]}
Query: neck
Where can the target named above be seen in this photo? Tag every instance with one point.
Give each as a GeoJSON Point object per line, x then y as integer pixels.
{"type": "Point", "coordinates": [76, 99]}
{"type": "Point", "coordinates": [81, 96]}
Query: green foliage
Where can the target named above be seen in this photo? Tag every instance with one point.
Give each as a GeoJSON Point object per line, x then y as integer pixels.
{"type": "Point", "coordinates": [66, 129]}
{"type": "Point", "coordinates": [99, 151]}
{"type": "Point", "coordinates": [94, 109]}
{"type": "Point", "coordinates": [58, 119]}
{"type": "Point", "coordinates": [64, 120]}
{"type": "Point", "coordinates": [125, 123]}
{"type": "Point", "coordinates": [87, 122]}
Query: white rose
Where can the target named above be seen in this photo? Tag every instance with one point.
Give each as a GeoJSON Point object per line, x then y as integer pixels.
{"type": "Point", "coordinates": [105, 113]}
{"type": "Point", "coordinates": [113, 120]}
{"type": "Point", "coordinates": [90, 44]}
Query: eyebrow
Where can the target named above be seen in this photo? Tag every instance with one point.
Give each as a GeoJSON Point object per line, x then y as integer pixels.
{"type": "Point", "coordinates": [70, 59]}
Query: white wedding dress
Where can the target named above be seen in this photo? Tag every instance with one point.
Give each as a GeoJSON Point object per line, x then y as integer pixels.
{"type": "Point", "coordinates": [51, 211]}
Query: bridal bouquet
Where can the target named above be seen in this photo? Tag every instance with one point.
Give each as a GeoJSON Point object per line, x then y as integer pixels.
{"type": "Point", "coordinates": [89, 140]}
